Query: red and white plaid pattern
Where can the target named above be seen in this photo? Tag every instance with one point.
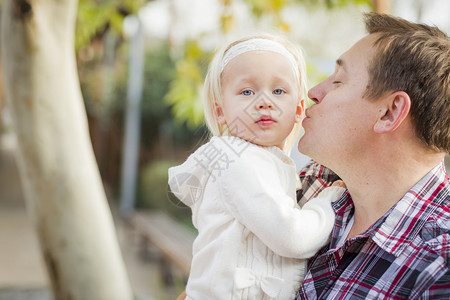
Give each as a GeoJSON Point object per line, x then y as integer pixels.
{"type": "Point", "coordinates": [314, 178]}
{"type": "Point", "coordinates": [404, 255]}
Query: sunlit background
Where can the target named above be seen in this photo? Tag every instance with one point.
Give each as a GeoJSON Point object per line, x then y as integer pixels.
{"type": "Point", "coordinates": [141, 67]}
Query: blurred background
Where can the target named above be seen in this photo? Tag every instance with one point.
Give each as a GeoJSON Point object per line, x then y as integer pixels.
{"type": "Point", "coordinates": [141, 67]}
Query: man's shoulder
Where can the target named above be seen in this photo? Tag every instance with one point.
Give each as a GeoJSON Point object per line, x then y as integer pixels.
{"type": "Point", "coordinates": [436, 230]}
{"type": "Point", "coordinates": [429, 211]}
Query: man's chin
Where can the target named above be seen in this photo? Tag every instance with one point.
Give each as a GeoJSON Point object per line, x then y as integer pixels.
{"type": "Point", "coordinates": [302, 148]}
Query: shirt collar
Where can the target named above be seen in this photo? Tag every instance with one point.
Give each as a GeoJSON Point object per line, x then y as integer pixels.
{"type": "Point", "coordinates": [344, 209]}
{"type": "Point", "coordinates": [405, 220]}
{"type": "Point", "coordinates": [402, 223]}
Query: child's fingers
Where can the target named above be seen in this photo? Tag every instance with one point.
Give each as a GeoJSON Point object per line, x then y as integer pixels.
{"type": "Point", "coordinates": [339, 183]}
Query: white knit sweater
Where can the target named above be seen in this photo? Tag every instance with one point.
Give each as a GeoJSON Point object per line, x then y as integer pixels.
{"type": "Point", "coordinates": [253, 237]}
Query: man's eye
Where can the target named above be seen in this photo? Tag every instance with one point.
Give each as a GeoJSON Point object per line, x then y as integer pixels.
{"type": "Point", "coordinates": [247, 93]}
{"type": "Point", "coordinates": [278, 91]}
{"type": "Point", "coordinates": [336, 82]}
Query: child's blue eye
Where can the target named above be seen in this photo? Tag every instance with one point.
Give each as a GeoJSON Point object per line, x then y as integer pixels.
{"type": "Point", "coordinates": [247, 93]}
{"type": "Point", "coordinates": [278, 91]}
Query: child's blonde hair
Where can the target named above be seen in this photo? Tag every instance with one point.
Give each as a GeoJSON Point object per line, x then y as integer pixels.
{"type": "Point", "coordinates": [213, 87]}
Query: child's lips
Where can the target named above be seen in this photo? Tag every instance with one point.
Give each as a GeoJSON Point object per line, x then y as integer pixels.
{"type": "Point", "coordinates": [265, 121]}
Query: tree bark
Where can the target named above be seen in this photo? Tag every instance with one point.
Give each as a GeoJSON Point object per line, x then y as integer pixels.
{"type": "Point", "coordinates": [64, 193]}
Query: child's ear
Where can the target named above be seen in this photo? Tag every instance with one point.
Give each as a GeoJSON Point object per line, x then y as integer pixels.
{"type": "Point", "coordinates": [395, 108]}
{"type": "Point", "coordinates": [219, 112]}
{"type": "Point", "coordinates": [300, 110]}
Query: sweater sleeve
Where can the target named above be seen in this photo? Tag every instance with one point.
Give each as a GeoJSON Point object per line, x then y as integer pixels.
{"type": "Point", "coordinates": [254, 195]}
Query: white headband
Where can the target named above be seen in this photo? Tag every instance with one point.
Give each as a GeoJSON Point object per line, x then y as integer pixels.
{"type": "Point", "coordinates": [259, 44]}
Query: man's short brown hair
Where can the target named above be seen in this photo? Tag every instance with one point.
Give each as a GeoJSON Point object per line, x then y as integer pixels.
{"type": "Point", "coordinates": [414, 58]}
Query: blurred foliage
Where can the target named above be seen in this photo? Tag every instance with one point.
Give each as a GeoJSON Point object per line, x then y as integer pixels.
{"type": "Point", "coordinates": [330, 4]}
{"type": "Point", "coordinates": [227, 18]}
{"type": "Point", "coordinates": [159, 71]}
{"type": "Point", "coordinates": [262, 7]}
{"type": "Point", "coordinates": [153, 191]}
{"type": "Point", "coordinates": [100, 68]}
{"type": "Point", "coordinates": [159, 74]}
{"type": "Point", "coordinates": [186, 88]}
{"type": "Point", "coordinates": [97, 16]}
{"type": "Point", "coordinates": [272, 8]}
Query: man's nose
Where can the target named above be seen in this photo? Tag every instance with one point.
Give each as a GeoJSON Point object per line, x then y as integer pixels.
{"type": "Point", "coordinates": [316, 93]}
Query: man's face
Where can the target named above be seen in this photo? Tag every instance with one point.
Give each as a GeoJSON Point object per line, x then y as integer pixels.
{"type": "Point", "coordinates": [338, 127]}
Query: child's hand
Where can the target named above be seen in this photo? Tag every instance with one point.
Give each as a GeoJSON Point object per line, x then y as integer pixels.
{"type": "Point", "coordinates": [339, 183]}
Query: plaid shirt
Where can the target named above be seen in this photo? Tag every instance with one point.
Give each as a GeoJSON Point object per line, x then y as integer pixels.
{"type": "Point", "coordinates": [404, 255]}
{"type": "Point", "coordinates": [314, 178]}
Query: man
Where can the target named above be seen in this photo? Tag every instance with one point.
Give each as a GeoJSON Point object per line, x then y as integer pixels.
{"type": "Point", "coordinates": [381, 122]}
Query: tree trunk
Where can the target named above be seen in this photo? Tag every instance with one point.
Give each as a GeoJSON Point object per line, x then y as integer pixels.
{"type": "Point", "coordinates": [63, 189]}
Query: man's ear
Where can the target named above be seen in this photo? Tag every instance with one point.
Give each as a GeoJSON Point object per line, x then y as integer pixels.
{"type": "Point", "coordinates": [395, 108]}
{"type": "Point", "coordinates": [300, 110]}
{"type": "Point", "coordinates": [219, 112]}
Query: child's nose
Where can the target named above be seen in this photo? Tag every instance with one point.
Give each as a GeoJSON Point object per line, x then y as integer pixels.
{"type": "Point", "coordinates": [264, 103]}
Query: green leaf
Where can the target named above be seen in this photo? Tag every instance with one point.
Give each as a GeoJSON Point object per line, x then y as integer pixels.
{"type": "Point", "coordinates": [185, 93]}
